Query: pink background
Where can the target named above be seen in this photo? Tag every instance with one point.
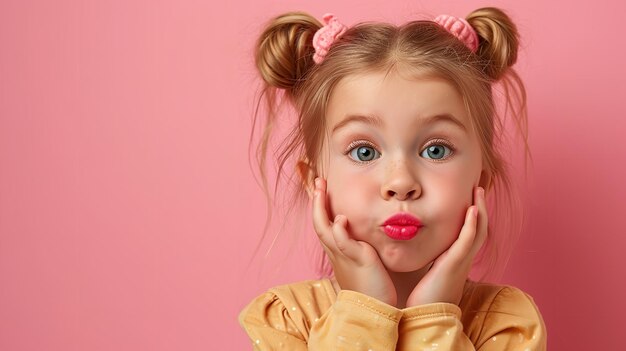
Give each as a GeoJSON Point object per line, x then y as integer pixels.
{"type": "Point", "coordinates": [124, 178]}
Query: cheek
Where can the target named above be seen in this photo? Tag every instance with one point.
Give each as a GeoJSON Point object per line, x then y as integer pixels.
{"type": "Point", "coordinates": [449, 198]}
{"type": "Point", "coordinates": [348, 196]}
{"type": "Point", "coordinates": [352, 196]}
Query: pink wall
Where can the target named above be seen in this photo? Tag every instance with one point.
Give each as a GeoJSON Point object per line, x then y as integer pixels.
{"type": "Point", "coordinates": [123, 169]}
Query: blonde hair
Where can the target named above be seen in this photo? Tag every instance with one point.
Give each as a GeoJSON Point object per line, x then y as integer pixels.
{"type": "Point", "coordinates": [284, 58]}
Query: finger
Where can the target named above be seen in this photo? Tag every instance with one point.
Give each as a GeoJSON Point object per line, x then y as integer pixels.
{"type": "Point", "coordinates": [321, 222]}
{"type": "Point", "coordinates": [482, 224]}
{"type": "Point", "coordinates": [461, 248]}
{"type": "Point", "coordinates": [349, 247]}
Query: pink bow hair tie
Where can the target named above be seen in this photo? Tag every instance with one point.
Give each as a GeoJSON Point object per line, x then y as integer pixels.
{"type": "Point", "coordinates": [460, 28]}
{"type": "Point", "coordinates": [325, 36]}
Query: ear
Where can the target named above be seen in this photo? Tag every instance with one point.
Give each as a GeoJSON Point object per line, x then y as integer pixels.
{"type": "Point", "coordinates": [307, 176]}
{"type": "Point", "coordinates": [485, 180]}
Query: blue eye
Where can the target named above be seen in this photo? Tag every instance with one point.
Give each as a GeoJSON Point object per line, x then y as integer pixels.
{"type": "Point", "coordinates": [364, 153]}
{"type": "Point", "coordinates": [436, 152]}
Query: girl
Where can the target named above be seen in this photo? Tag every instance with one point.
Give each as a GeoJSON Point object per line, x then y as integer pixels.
{"type": "Point", "coordinates": [396, 142]}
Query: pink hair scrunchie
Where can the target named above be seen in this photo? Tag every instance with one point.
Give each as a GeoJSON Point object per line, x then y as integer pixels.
{"type": "Point", "coordinates": [325, 36]}
{"type": "Point", "coordinates": [460, 28]}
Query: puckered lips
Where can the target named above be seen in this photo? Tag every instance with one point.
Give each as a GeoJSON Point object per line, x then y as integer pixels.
{"type": "Point", "coordinates": [402, 226]}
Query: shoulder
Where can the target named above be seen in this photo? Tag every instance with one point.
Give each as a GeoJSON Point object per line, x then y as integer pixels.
{"type": "Point", "coordinates": [297, 305]}
{"type": "Point", "coordinates": [492, 309]}
{"type": "Point", "coordinates": [308, 291]}
{"type": "Point", "coordinates": [494, 298]}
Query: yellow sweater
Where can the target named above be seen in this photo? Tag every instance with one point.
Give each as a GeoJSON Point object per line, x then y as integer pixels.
{"type": "Point", "coordinates": [309, 315]}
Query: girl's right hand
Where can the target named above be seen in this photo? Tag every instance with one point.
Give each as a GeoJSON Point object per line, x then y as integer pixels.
{"type": "Point", "coordinates": [356, 264]}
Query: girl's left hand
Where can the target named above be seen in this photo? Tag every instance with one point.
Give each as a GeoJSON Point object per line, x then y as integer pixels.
{"type": "Point", "coordinates": [446, 278]}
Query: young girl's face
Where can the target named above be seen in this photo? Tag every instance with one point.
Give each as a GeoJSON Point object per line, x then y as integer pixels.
{"type": "Point", "coordinates": [394, 146]}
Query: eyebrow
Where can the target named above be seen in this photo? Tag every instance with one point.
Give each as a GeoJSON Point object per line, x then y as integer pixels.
{"type": "Point", "coordinates": [378, 122]}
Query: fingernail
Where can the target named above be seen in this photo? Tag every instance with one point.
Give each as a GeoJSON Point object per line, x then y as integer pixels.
{"type": "Point", "coordinates": [317, 183]}
{"type": "Point", "coordinates": [481, 191]}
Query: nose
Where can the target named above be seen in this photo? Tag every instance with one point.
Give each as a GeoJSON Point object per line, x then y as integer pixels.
{"type": "Point", "coordinates": [400, 182]}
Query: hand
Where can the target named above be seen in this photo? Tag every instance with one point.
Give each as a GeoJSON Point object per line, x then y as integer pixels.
{"type": "Point", "coordinates": [356, 264]}
{"type": "Point", "coordinates": [446, 278]}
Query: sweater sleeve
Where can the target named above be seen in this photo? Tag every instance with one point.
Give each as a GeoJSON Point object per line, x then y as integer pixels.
{"type": "Point", "coordinates": [356, 322]}
{"type": "Point", "coordinates": [511, 322]}
{"type": "Point", "coordinates": [269, 325]}
{"type": "Point", "coordinates": [353, 322]}
{"type": "Point", "coordinates": [435, 326]}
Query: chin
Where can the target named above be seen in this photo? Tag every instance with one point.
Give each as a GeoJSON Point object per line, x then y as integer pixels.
{"type": "Point", "coordinates": [403, 269]}
{"type": "Point", "coordinates": [400, 264]}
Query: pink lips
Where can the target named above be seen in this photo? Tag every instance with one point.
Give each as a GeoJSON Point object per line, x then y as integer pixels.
{"type": "Point", "coordinates": [401, 226]}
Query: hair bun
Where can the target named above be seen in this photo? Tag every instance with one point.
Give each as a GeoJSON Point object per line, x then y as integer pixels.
{"type": "Point", "coordinates": [284, 50]}
{"type": "Point", "coordinates": [498, 39]}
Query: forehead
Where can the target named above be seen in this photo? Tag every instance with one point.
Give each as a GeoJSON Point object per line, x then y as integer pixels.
{"type": "Point", "coordinates": [395, 96]}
